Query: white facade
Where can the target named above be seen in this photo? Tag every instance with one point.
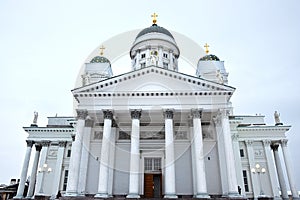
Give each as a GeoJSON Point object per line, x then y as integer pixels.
{"type": "Point", "coordinates": [156, 132]}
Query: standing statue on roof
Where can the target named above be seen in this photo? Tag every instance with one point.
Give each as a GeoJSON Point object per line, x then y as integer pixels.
{"type": "Point", "coordinates": [35, 117]}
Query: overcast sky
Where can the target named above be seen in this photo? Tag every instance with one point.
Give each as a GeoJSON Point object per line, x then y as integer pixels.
{"type": "Point", "coordinates": [44, 43]}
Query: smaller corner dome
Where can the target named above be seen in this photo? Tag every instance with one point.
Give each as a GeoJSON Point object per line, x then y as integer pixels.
{"type": "Point", "coordinates": [156, 29]}
{"type": "Point", "coordinates": [100, 59]}
{"type": "Point", "coordinates": [209, 57]}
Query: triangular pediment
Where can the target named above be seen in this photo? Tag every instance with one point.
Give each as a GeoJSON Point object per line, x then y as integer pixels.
{"type": "Point", "coordinates": [155, 79]}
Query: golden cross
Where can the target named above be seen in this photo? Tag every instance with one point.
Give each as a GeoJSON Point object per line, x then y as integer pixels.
{"type": "Point", "coordinates": [206, 48]}
{"type": "Point", "coordinates": [154, 18]}
{"type": "Point", "coordinates": [102, 50]}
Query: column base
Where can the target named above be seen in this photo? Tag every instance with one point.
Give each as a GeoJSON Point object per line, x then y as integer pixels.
{"type": "Point", "coordinates": [71, 194]}
{"type": "Point", "coordinates": [234, 195]}
{"type": "Point", "coordinates": [202, 196]}
{"type": "Point", "coordinates": [18, 197]}
{"type": "Point", "coordinates": [133, 196]}
{"type": "Point", "coordinates": [170, 196]}
{"type": "Point", "coordinates": [101, 196]}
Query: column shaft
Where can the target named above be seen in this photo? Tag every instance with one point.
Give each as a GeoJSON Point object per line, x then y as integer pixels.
{"type": "Point", "coordinates": [271, 169]}
{"type": "Point", "coordinates": [111, 160]}
{"type": "Point", "coordinates": [103, 171]}
{"type": "Point", "coordinates": [58, 168]}
{"type": "Point", "coordinates": [238, 163]}
{"type": "Point", "coordinates": [289, 170]}
{"type": "Point", "coordinates": [282, 184]}
{"type": "Point", "coordinates": [254, 180]}
{"type": "Point", "coordinates": [231, 172]}
{"type": "Point", "coordinates": [170, 190]}
{"type": "Point", "coordinates": [24, 170]}
{"type": "Point", "coordinates": [201, 188]}
{"type": "Point", "coordinates": [34, 171]}
{"type": "Point", "coordinates": [85, 152]}
{"type": "Point", "coordinates": [43, 159]}
{"type": "Point", "coordinates": [134, 155]}
{"type": "Point", "coordinates": [75, 159]}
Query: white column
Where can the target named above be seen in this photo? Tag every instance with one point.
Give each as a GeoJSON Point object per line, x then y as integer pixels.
{"type": "Point", "coordinates": [160, 56]}
{"type": "Point", "coordinates": [148, 62]}
{"type": "Point", "coordinates": [238, 163]}
{"type": "Point", "coordinates": [104, 161]}
{"type": "Point", "coordinates": [254, 180]}
{"type": "Point", "coordinates": [282, 184]}
{"type": "Point", "coordinates": [58, 168]}
{"type": "Point", "coordinates": [40, 176]}
{"type": "Point", "coordinates": [200, 176]}
{"type": "Point", "coordinates": [170, 190]}
{"type": "Point", "coordinates": [172, 67]}
{"type": "Point", "coordinates": [231, 172]}
{"type": "Point", "coordinates": [289, 170]}
{"type": "Point", "coordinates": [74, 166]}
{"type": "Point", "coordinates": [24, 171]}
{"type": "Point", "coordinates": [32, 182]}
{"type": "Point", "coordinates": [221, 154]}
{"type": "Point", "coordinates": [134, 155]}
{"type": "Point", "coordinates": [112, 158]}
{"type": "Point", "coordinates": [85, 152]}
{"type": "Point", "coordinates": [271, 169]}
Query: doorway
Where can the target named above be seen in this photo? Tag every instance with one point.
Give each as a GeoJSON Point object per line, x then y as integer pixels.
{"type": "Point", "coordinates": [152, 185]}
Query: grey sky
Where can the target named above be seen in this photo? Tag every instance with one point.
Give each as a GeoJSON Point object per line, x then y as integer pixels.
{"type": "Point", "coordinates": [44, 43]}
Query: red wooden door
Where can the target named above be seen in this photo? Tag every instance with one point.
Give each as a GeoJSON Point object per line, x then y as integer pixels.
{"type": "Point", "coordinates": [148, 186]}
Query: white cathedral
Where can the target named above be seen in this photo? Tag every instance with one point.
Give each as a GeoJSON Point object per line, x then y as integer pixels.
{"type": "Point", "coordinates": [155, 132]}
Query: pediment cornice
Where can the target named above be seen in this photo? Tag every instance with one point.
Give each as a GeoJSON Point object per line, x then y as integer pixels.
{"type": "Point", "coordinates": [180, 77]}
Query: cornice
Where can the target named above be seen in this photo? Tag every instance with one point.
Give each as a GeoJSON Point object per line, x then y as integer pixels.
{"type": "Point", "coordinates": [154, 70]}
{"type": "Point", "coordinates": [264, 128]}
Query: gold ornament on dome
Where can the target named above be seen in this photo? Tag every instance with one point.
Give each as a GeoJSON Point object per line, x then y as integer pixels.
{"type": "Point", "coordinates": [206, 48]}
{"type": "Point", "coordinates": [154, 20]}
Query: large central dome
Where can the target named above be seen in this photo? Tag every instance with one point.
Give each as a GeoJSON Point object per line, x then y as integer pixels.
{"type": "Point", "coordinates": [154, 29]}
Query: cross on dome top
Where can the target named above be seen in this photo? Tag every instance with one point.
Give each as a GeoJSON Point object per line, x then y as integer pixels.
{"type": "Point", "coordinates": [206, 48]}
{"type": "Point", "coordinates": [154, 15]}
{"type": "Point", "coordinates": [102, 50]}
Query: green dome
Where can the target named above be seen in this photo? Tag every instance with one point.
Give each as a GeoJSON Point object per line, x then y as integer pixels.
{"type": "Point", "coordinates": [156, 29]}
{"type": "Point", "coordinates": [209, 57]}
{"type": "Point", "coordinates": [99, 59]}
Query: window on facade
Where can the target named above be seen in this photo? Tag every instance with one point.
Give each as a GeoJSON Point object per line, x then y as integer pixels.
{"type": "Point", "coordinates": [65, 180]}
{"type": "Point", "coordinates": [165, 55]}
{"type": "Point", "coordinates": [69, 153]}
{"type": "Point", "coordinates": [245, 180]}
{"type": "Point", "coordinates": [143, 65]}
{"type": "Point", "coordinates": [165, 65]}
{"type": "Point", "coordinates": [152, 164]}
{"type": "Point", "coordinates": [143, 55]}
{"type": "Point", "coordinates": [242, 154]}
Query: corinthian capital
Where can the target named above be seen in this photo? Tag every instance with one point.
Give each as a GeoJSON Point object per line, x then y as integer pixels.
{"type": "Point", "coordinates": [29, 143]}
{"type": "Point", "coordinates": [284, 142]}
{"type": "Point", "coordinates": [136, 114]}
{"type": "Point", "coordinates": [107, 114]}
{"type": "Point", "coordinates": [81, 114]}
{"type": "Point", "coordinates": [168, 114]}
{"type": "Point", "coordinates": [197, 113]}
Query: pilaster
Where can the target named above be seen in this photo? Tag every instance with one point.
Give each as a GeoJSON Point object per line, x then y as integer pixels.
{"type": "Point", "coordinates": [58, 168]}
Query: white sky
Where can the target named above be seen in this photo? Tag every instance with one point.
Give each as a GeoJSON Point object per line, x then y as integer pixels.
{"type": "Point", "coordinates": [44, 43]}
